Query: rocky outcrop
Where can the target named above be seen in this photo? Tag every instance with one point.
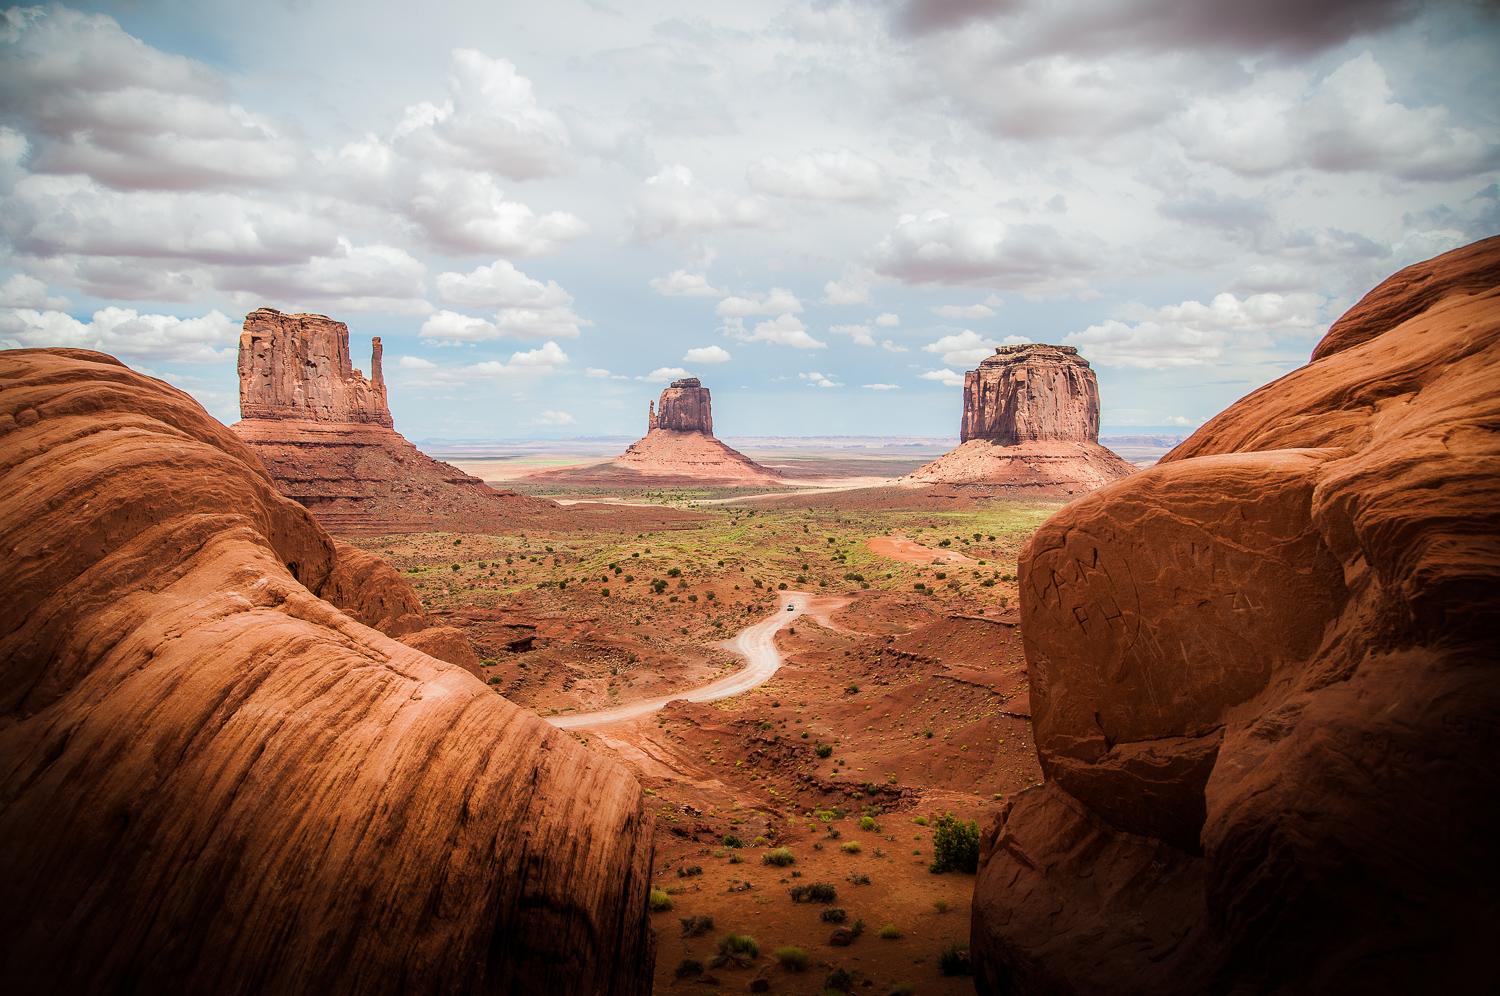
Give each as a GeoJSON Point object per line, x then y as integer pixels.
{"type": "Point", "coordinates": [1029, 393]}
{"type": "Point", "coordinates": [1030, 424]}
{"type": "Point", "coordinates": [685, 407]}
{"type": "Point", "coordinates": [1263, 685]}
{"type": "Point", "coordinates": [325, 434]}
{"type": "Point", "coordinates": [212, 779]}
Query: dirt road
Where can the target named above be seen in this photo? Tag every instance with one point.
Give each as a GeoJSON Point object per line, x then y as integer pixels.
{"type": "Point", "coordinates": [757, 644]}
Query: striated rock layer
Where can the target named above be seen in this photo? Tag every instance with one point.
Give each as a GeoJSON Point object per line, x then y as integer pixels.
{"type": "Point", "coordinates": [685, 407]}
{"type": "Point", "coordinates": [326, 436]}
{"type": "Point", "coordinates": [1264, 685]}
{"type": "Point", "coordinates": [213, 780]}
{"type": "Point", "coordinates": [1031, 422]}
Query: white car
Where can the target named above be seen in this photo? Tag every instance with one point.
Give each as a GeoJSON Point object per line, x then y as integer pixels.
{"type": "Point", "coordinates": [791, 608]}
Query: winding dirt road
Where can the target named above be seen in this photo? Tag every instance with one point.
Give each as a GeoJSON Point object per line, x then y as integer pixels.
{"type": "Point", "coordinates": [757, 644]}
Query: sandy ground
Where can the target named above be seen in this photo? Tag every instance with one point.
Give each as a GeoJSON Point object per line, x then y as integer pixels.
{"type": "Point", "coordinates": [900, 548]}
{"type": "Point", "coordinates": [757, 644]}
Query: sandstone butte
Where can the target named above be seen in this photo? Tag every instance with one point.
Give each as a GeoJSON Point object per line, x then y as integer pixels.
{"type": "Point", "coordinates": [218, 775]}
{"type": "Point", "coordinates": [326, 435]}
{"type": "Point", "coordinates": [1263, 680]}
{"type": "Point", "coordinates": [1030, 421]}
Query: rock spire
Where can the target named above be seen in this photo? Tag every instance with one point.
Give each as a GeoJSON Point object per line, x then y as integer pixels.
{"type": "Point", "coordinates": [684, 407]}
{"type": "Point", "coordinates": [1031, 393]}
{"type": "Point", "coordinates": [298, 367]}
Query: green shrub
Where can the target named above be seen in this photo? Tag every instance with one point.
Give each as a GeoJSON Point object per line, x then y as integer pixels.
{"type": "Point", "coordinates": [920, 821]}
{"type": "Point", "coordinates": [955, 845]}
{"type": "Point", "coordinates": [954, 959]}
{"type": "Point", "coordinates": [858, 927]}
{"type": "Point", "coordinates": [890, 931]}
{"type": "Point", "coordinates": [659, 901]}
{"type": "Point", "coordinates": [834, 915]}
{"type": "Point", "coordinates": [839, 980]}
{"type": "Point", "coordinates": [824, 750]}
{"type": "Point", "coordinates": [741, 949]}
{"type": "Point", "coordinates": [906, 988]}
{"type": "Point", "coordinates": [940, 904]}
{"type": "Point", "coordinates": [695, 926]}
{"type": "Point", "coordinates": [690, 872]}
{"type": "Point", "coordinates": [866, 823]}
{"type": "Point", "coordinates": [689, 966]}
{"type": "Point", "coordinates": [781, 857]}
{"type": "Point", "coordinates": [816, 892]}
{"type": "Point", "coordinates": [730, 840]}
{"type": "Point", "coordinates": [852, 847]}
{"type": "Point", "coordinates": [792, 957]}
{"type": "Point", "coordinates": [759, 842]}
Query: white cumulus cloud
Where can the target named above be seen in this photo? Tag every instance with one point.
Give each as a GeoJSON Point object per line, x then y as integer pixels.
{"type": "Point", "coordinates": [969, 311]}
{"type": "Point", "coordinates": [662, 375]}
{"type": "Point", "coordinates": [1193, 333]}
{"type": "Point", "coordinates": [964, 349]}
{"type": "Point", "coordinates": [958, 250]}
{"type": "Point", "coordinates": [784, 330]}
{"type": "Point", "coordinates": [126, 334]}
{"type": "Point", "coordinates": [681, 283]}
{"type": "Point", "coordinates": [947, 377]}
{"type": "Point", "coordinates": [777, 301]}
{"type": "Point", "coordinates": [881, 387]}
{"type": "Point", "coordinates": [859, 333]}
{"type": "Point", "coordinates": [23, 291]}
{"type": "Point", "coordinates": [888, 319]}
{"type": "Point", "coordinates": [523, 307]}
{"type": "Point", "coordinates": [706, 354]}
{"type": "Point", "coordinates": [818, 380]}
{"type": "Point", "coordinates": [833, 175]}
{"type": "Point", "coordinates": [673, 204]}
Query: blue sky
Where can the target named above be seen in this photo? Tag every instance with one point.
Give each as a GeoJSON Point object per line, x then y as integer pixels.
{"type": "Point", "coordinates": [827, 211]}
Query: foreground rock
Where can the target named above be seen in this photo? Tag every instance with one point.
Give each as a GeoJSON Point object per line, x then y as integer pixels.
{"type": "Point", "coordinates": [325, 434]}
{"type": "Point", "coordinates": [1264, 688]}
{"type": "Point", "coordinates": [679, 445]}
{"type": "Point", "coordinates": [1030, 421]}
{"type": "Point", "coordinates": [216, 781]}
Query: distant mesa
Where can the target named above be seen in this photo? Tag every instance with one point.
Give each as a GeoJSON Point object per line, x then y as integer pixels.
{"type": "Point", "coordinates": [679, 443]}
{"type": "Point", "coordinates": [326, 435]}
{"type": "Point", "coordinates": [1030, 420]}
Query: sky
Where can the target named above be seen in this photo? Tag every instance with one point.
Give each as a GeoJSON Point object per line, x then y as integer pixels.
{"type": "Point", "coordinates": [827, 211]}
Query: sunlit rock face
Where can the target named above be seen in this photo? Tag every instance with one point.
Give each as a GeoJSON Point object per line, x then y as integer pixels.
{"type": "Point", "coordinates": [684, 407]}
{"type": "Point", "coordinates": [679, 441]}
{"type": "Point", "coordinates": [298, 367]}
{"type": "Point", "coordinates": [218, 777]}
{"type": "Point", "coordinates": [1031, 393]}
{"type": "Point", "coordinates": [1264, 686]}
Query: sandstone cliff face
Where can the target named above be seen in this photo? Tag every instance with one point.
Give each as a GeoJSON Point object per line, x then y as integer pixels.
{"type": "Point", "coordinates": [212, 780]}
{"type": "Point", "coordinates": [1030, 393]}
{"type": "Point", "coordinates": [1264, 687]}
{"type": "Point", "coordinates": [1030, 423]}
{"type": "Point", "coordinates": [684, 407]}
{"type": "Point", "coordinates": [298, 367]}
{"type": "Point", "coordinates": [326, 436]}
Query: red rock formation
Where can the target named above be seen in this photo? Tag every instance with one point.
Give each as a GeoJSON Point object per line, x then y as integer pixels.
{"type": "Point", "coordinates": [326, 436]}
{"type": "Point", "coordinates": [685, 407]}
{"type": "Point", "coordinates": [1264, 688]}
{"type": "Point", "coordinates": [215, 781]}
{"type": "Point", "coordinates": [1030, 421]}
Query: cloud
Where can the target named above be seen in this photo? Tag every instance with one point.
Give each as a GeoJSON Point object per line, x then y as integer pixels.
{"type": "Point", "coordinates": [23, 291]}
{"type": "Point", "coordinates": [92, 100]}
{"type": "Point", "coordinates": [1193, 334]}
{"type": "Point", "coordinates": [415, 363]}
{"type": "Point", "coordinates": [662, 375]}
{"type": "Point", "coordinates": [881, 387]}
{"type": "Point", "coordinates": [552, 418]}
{"type": "Point", "coordinates": [1345, 122]}
{"type": "Point", "coordinates": [467, 213]}
{"type": "Point", "coordinates": [853, 289]}
{"type": "Point", "coordinates": [959, 250]}
{"type": "Point", "coordinates": [778, 301]}
{"type": "Point", "coordinates": [785, 330]}
{"type": "Point", "coordinates": [947, 377]}
{"type": "Point", "coordinates": [524, 308]}
{"type": "Point", "coordinates": [673, 204]}
{"type": "Point", "coordinates": [681, 283]}
{"type": "Point", "coordinates": [491, 123]}
{"type": "Point", "coordinates": [818, 380]}
{"type": "Point", "coordinates": [888, 319]}
{"type": "Point", "coordinates": [963, 311]}
{"type": "Point", "coordinates": [351, 278]}
{"type": "Point", "coordinates": [452, 327]}
{"type": "Point", "coordinates": [127, 334]}
{"type": "Point", "coordinates": [544, 359]}
{"type": "Point", "coordinates": [859, 333]}
{"type": "Point", "coordinates": [706, 354]}
{"type": "Point", "coordinates": [965, 349]}
{"type": "Point", "coordinates": [842, 175]}
{"type": "Point", "coordinates": [890, 347]}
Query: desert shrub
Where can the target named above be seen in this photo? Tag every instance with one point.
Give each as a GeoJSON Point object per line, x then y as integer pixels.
{"type": "Point", "coordinates": [954, 959]}
{"type": "Point", "coordinates": [906, 988]}
{"type": "Point", "coordinates": [804, 734]}
{"type": "Point", "coordinates": [690, 872]}
{"type": "Point", "coordinates": [781, 586]}
{"type": "Point", "coordinates": [815, 892]}
{"type": "Point", "coordinates": [858, 880]}
{"type": "Point", "coordinates": [851, 847]}
{"type": "Point", "coordinates": [694, 926]}
{"type": "Point", "coordinates": [866, 823]}
{"type": "Point", "coordinates": [890, 932]}
{"type": "Point", "coordinates": [781, 857]}
{"type": "Point", "coordinates": [858, 926]}
{"type": "Point", "coordinates": [674, 572]}
{"type": "Point", "coordinates": [955, 845]}
{"type": "Point", "coordinates": [834, 915]}
{"type": "Point", "coordinates": [759, 842]}
{"type": "Point", "coordinates": [920, 821]}
{"type": "Point", "coordinates": [736, 859]}
{"type": "Point", "coordinates": [689, 966]}
{"type": "Point", "coordinates": [824, 750]}
{"type": "Point", "coordinates": [851, 688]}
{"type": "Point", "coordinates": [730, 840]}
{"type": "Point", "coordinates": [839, 980]}
{"type": "Point", "coordinates": [792, 957]}
{"type": "Point", "coordinates": [741, 949]}
{"type": "Point", "coordinates": [834, 833]}
{"type": "Point", "coordinates": [940, 904]}
{"type": "Point", "coordinates": [659, 901]}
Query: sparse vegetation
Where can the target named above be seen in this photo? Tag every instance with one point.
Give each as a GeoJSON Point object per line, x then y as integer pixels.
{"type": "Point", "coordinates": [824, 750]}
{"type": "Point", "coordinates": [851, 847]}
{"type": "Point", "coordinates": [954, 959]}
{"type": "Point", "coordinates": [781, 857]}
{"type": "Point", "coordinates": [815, 892]}
{"type": "Point", "coordinates": [834, 915]}
{"type": "Point", "coordinates": [694, 926]}
{"type": "Point", "coordinates": [730, 840]}
{"type": "Point", "coordinates": [659, 901]}
{"type": "Point", "coordinates": [741, 949]}
{"type": "Point", "coordinates": [955, 845]}
{"type": "Point", "coordinates": [688, 966]}
{"type": "Point", "coordinates": [866, 823]}
{"type": "Point", "coordinates": [792, 957]}
{"type": "Point", "coordinates": [890, 932]}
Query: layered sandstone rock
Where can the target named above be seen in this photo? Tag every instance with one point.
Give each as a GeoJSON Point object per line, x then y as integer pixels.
{"type": "Point", "coordinates": [214, 780]}
{"type": "Point", "coordinates": [1030, 421]}
{"type": "Point", "coordinates": [1264, 686]}
{"type": "Point", "coordinates": [685, 407]}
{"type": "Point", "coordinates": [325, 434]}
